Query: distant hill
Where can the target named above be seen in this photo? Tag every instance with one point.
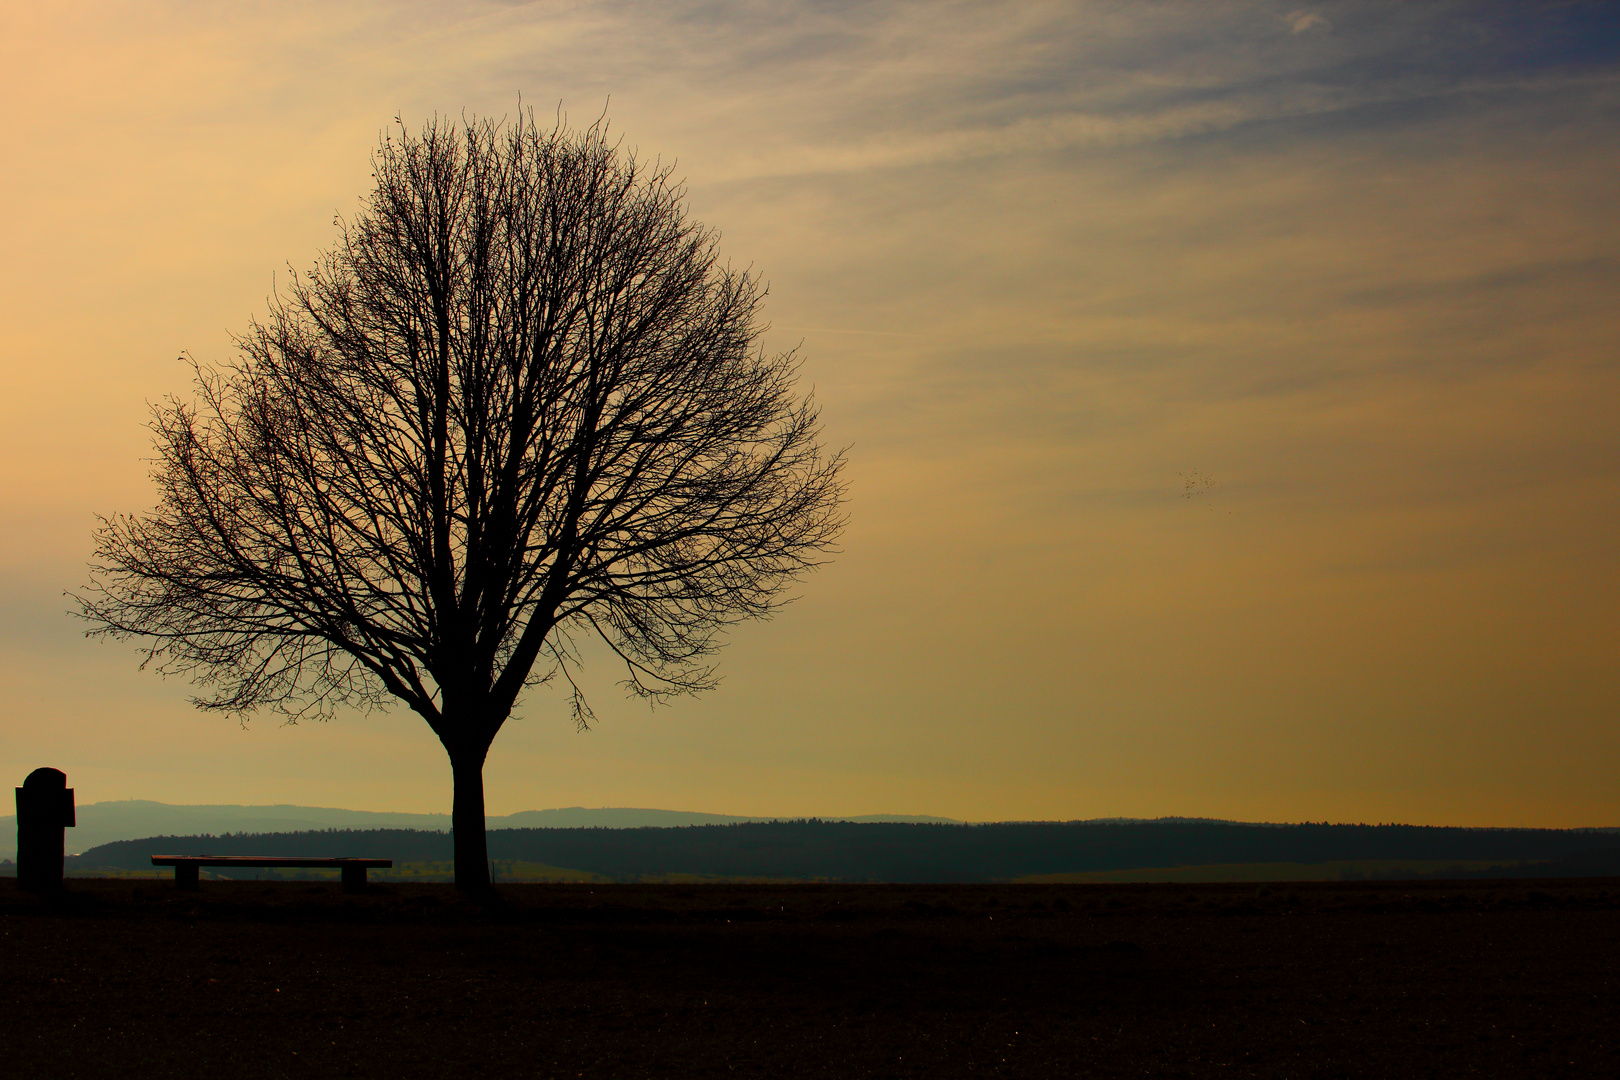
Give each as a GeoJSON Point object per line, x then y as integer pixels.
{"type": "Point", "coordinates": [909, 852]}
{"type": "Point", "coordinates": [578, 817]}
{"type": "Point", "coordinates": [129, 819]}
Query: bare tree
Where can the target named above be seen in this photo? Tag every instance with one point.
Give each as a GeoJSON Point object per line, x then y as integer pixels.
{"type": "Point", "coordinates": [521, 402]}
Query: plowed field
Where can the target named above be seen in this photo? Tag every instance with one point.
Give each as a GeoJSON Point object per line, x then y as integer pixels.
{"type": "Point", "coordinates": [1445, 979]}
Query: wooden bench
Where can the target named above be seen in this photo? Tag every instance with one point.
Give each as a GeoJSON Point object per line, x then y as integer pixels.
{"type": "Point", "coordinates": [186, 866]}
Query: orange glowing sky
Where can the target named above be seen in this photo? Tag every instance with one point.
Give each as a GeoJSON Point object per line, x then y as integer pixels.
{"type": "Point", "coordinates": [1230, 390]}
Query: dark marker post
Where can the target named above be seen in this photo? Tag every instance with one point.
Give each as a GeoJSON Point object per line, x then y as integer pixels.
{"type": "Point", "coordinates": [44, 809]}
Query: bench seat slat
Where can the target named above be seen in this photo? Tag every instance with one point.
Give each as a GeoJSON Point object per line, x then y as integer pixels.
{"type": "Point", "coordinates": [187, 868]}
{"type": "Point", "coordinates": [268, 860]}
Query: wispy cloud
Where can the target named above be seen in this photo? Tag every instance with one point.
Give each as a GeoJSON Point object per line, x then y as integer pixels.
{"type": "Point", "coordinates": [1301, 22]}
{"type": "Point", "coordinates": [1048, 260]}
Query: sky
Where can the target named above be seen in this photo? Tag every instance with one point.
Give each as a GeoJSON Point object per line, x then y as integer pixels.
{"type": "Point", "coordinates": [1228, 390]}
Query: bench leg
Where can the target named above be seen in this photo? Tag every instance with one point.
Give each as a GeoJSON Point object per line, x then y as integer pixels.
{"type": "Point", "coordinates": [354, 879]}
{"type": "Point", "coordinates": [185, 876]}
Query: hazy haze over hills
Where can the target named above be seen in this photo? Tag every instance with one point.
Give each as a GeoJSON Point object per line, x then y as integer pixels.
{"type": "Point", "coordinates": [132, 819]}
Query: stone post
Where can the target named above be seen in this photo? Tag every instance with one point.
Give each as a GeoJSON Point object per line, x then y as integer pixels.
{"type": "Point", "coordinates": [44, 809]}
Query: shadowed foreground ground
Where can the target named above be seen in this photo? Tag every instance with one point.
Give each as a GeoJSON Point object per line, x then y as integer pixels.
{"type": "Point", "coordinates": [1442, 979]}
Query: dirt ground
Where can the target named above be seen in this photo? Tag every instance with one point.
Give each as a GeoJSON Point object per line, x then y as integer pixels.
{"type": "Point", "coordinates": [1445, 979]}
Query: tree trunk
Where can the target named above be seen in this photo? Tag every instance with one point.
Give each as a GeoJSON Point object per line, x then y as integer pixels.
{"type": "Point", "coordinates": [467, 821]}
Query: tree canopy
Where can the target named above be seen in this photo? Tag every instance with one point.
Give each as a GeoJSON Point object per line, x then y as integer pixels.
{"type": "Point", "coordinates": [520, 402]}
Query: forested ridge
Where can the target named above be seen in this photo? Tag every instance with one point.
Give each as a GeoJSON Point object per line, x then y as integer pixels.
{"type": "Point", "coordinates": [856, 852]}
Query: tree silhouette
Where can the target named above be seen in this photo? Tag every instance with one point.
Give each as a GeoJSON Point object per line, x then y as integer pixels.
{"type": "Point", "coordinates": [519, 403]}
